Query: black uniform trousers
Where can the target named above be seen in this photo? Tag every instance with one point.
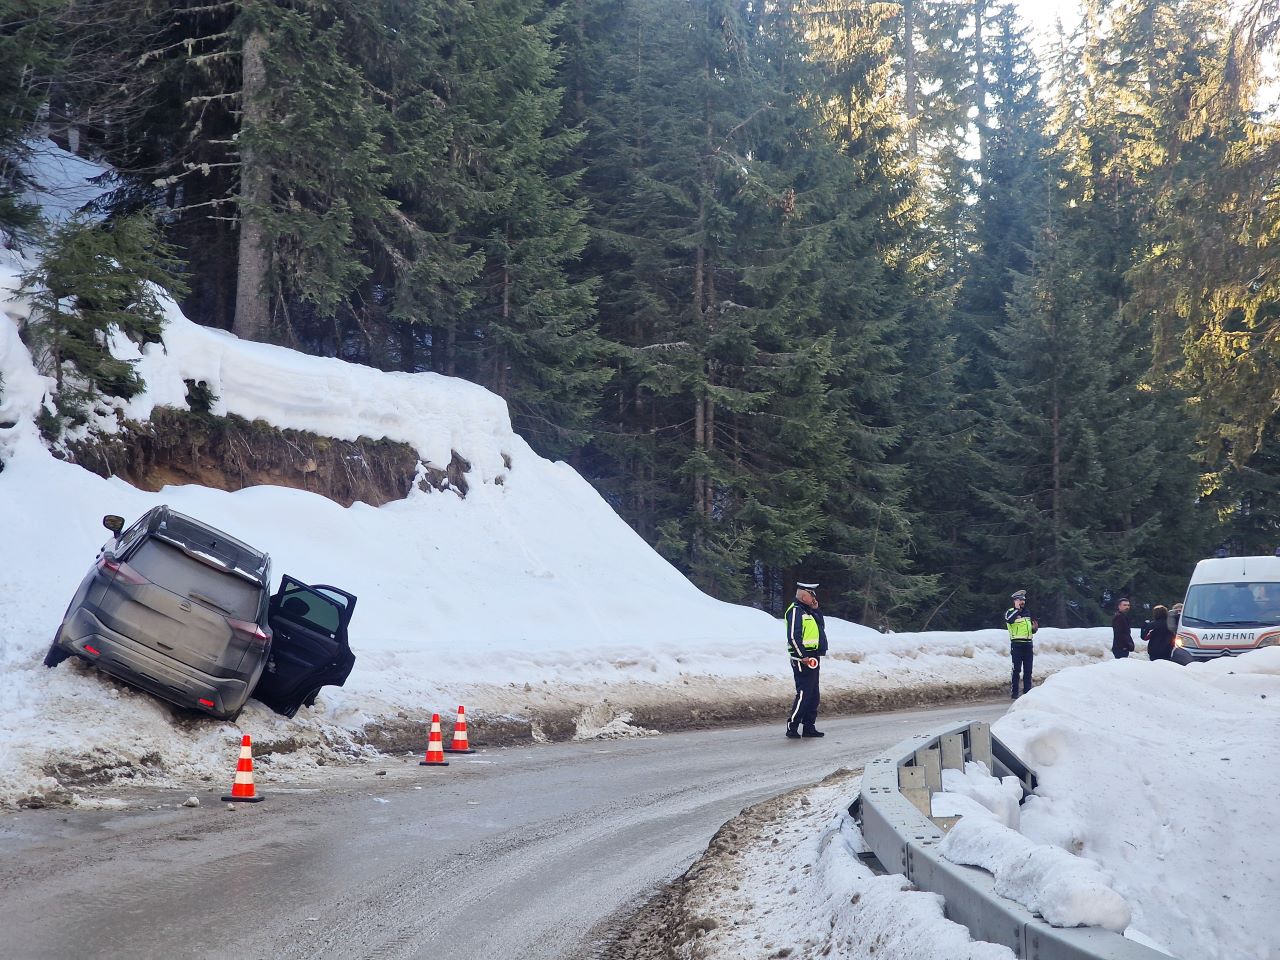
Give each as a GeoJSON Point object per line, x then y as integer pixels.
{"type": "Point", "coordinates": [805, 708]}
{"type": "Point", "coordinates": [1022, 654]}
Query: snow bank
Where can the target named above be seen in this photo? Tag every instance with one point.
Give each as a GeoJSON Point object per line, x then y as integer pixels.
{"type": "Point", "coordinates": [1166, 777]}
{"type": "Point", "coordinates": [796, 888]}
{"type": "Point", "coordinates": [1066, 890]}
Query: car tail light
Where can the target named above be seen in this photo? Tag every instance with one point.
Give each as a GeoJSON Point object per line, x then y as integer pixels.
{"type": "Point", "coordinates": [122, 571]}
{"type": "Point", "coordinates": [206, 703]}
{"type": "Point", "coordinates": [249, 632]}
{"type": "Point", "coordinates": [93, 650]}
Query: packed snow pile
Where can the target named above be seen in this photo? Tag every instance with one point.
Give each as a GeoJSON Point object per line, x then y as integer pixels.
{"type": "Point", "coordinates": [1157, 793]}
{"type": "Point", "coordinates": [1068, 891]}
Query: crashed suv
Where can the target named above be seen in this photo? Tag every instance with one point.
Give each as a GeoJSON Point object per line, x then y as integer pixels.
{"type": "Point", "coordinates": [185, 611]}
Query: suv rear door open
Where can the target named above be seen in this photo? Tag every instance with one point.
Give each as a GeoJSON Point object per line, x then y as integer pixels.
{"type": "Point", "coordinates": [309, 647]}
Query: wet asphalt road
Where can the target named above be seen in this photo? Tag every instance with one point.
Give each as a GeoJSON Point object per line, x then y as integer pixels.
{"type": "Point", "coordinates": [508, 854]}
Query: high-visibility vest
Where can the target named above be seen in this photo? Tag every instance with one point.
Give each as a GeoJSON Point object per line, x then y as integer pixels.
{"type": "Point", "coordinates": [1019, 629]}
{"type": "Point", "coordinates": [809, 638]}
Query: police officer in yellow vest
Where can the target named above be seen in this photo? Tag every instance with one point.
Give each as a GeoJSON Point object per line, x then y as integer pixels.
{"type": "Point", "coordinates": [1022, 627]}
{"type": "Point", "coordinates": [806, 643]}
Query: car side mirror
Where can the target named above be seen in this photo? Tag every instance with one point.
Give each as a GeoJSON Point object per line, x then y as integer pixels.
{"type": "Point", "coordinates": [113, 523]}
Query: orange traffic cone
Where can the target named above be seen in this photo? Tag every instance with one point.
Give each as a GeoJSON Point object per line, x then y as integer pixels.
{"type": "Point", "coordinates": [435, 746]}
{"type": "Point", "coordinates": [459, 744]}
{"type": "Point", "coordinates": [242, 790]}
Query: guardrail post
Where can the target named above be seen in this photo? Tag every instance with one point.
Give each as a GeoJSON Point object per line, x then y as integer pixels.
{"type": "Point", "coordinates": [929, 760]}
{"type": "Point", "coordinates": [914, 785]}
{"type": "Point", "coordinates": [980, 743]}
{"type": "Point", "coordinates": [952, 751]}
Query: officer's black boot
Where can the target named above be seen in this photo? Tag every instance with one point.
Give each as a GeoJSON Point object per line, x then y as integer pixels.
{"type": "Point", "coordinates": [793, 731]}
{"type": "Point", "coordinates": [811, 731]}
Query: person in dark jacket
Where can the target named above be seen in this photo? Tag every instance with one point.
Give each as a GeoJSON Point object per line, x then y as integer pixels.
{"type": "Point", "coordinates": [1121, 631]}
{"type": "Point", "coordinates": [806, 644]}
{"type": "Point", "coordinates": [1022, 627]}
{"type": "Point", "coordinates": [1158, 634]}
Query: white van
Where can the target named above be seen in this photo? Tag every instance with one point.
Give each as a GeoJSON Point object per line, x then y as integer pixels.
{"type": "Point", "coordinates": [1232, 607]}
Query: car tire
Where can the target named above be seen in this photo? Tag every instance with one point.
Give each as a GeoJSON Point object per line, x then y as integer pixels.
{"type": "Point", "coordinates": [55, 655]}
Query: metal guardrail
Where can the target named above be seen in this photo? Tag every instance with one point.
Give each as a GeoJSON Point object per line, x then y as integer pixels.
{"type": "Point", "coordinates": [893, 811]}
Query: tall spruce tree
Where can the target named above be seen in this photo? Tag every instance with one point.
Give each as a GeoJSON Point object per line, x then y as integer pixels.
{"type": "Point", "coordinates": [878, 294]}
{"type": "Point", "coordinates": [1010, 208]}
{"type": "Point", "coordinates": [1096, 476]}
{"type": "Point", "coordinates": [28, 55]}
{"type": "Point", "coordinates": [94, 280]}
{"type": "Point", "coordinates": [530, 332]}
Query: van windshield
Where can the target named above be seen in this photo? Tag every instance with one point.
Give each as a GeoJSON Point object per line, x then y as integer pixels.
{"type": "Point", "coordinates": [1232, 605]}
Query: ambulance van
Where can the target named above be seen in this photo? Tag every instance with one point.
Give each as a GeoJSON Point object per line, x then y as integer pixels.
{"type": "Point", "coordinates": [1232, 607]}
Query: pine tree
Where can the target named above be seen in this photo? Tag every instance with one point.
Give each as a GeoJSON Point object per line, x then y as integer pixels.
{"type": "Point", "coordinates": [27, 53]}
{"type": "Point", "coordinates": [1095, 473]}
{"type": "Point", "coordinates": [529, 327]}
{"type": "Point", "coordinates": [1010, 208]}
{"type": "Point", "coordinates": [92, 281]}
{"type": "Point", "coordinates": [893, 358]}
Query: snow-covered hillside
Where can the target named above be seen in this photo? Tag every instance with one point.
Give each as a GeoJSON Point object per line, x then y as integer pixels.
{"type": "Point", "coordinates": [527, 598]}
{"type": "Point", "coordinates": [527, 594]}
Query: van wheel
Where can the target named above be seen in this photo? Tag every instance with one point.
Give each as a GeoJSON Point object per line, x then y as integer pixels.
{"type": "Point", "coordinates": [55, 655]}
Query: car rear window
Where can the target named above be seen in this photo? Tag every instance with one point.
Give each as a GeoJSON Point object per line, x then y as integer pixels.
{"type": "Point", "coordinates": [166, 565]}
{"type": "Point", "coordinates": [184, 532]}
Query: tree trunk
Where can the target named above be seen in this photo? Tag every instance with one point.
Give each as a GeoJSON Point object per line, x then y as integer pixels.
{"type": "Point", "coordinates": [1059, 588]}
{"type": "Point", "coordinates": [909, 55]}
{"type": "Point", "coordinates": [408, 347]}
{"type": "Point", "coordinates": [980, 82]}
{"type": "Point", "coordinates": [502, 366]}
{"type": "Point", "coordinates": [699, 401]}
{"type": "Point", "coordinates": [253, 314]}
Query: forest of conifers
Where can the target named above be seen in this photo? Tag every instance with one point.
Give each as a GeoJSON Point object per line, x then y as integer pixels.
{"type": "Point", "coordinates": [893, 296]}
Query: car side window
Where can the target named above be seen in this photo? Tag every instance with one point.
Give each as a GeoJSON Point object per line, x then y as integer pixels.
{"type": "Point", "coordinates": [311, 609]}
{"type": "Point", "coordinates": [130, 538]}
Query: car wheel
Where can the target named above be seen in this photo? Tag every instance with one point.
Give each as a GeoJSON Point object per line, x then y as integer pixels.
{"type": "Point", "coordinates": [310, 699]}
{"type": "Point", "coordinates": [55, 655]}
